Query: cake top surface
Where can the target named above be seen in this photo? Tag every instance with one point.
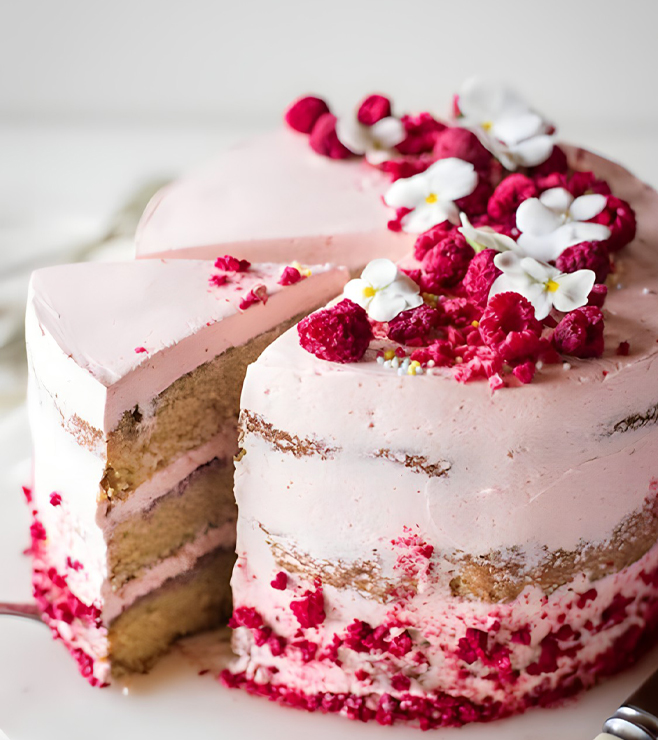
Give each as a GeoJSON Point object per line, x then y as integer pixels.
{"type": "Point", "coordinates": [111, 318]}
{"type": "Point", "coordinates": [270, 188]}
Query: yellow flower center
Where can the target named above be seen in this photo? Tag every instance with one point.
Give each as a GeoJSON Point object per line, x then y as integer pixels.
{"type": "Point", "coordinates": [487, 125]}
{"type": "Point", "coordinates": [369, 292]}
{"type": "Point", "coordinates": [431, 198]}
{"type": "Point", "coordinates": [551, 286]}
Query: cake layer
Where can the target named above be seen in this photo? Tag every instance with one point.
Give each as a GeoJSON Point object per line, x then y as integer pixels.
{"type": "Point", "coordinates": [202, 502]}
{"type": "Point", "coordinates": [130, 637]}
{"type": "Point", "coordinates": [196, 600]}
{"type": "Point", "coordinates": [194, 409]}
{"type": "Point", "coordinates": [316, 209]}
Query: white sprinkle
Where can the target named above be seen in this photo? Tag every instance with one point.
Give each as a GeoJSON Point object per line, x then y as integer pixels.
{"type": "Point", "coordinates": [648, 291]}
{"type": "Point", "coordinates": [419, 371]}
{"type": "Point", "coordinates": [619, 286]}
{"type": "Point", "coordinates": [380, 360]}
{"type": "Point", "coordinates": [431, 363]}
{"type": "Point", "coordinates": [125, 691]}
{"type": "Point", "coordinates": [566, 366]}
{"type": "Point", "coordinates": [405, 363]}
{"type": "Point", "coordinates": [401, 371]}
{"type": "Point", "coordinates": [387, 364]}
{"type": "Point", "coordinates": [539, 365]}
{"type": "Point", "coordinates": [395, 362]}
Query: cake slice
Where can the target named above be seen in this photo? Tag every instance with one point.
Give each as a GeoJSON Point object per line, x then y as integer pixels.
{"type": "Point", "coordinates": [135, 372]}
{"type": "Point", "coordinates": [274, 199]}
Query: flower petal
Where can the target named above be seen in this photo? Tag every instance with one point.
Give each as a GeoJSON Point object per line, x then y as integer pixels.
{"type": "Point", "coordinates": [541, 299]}
{"type": "Point", "coordinates": [403, 285]}
{"type": "Point", "coordinates": [407, 192]}
{"type": "Point", "coordinates": [485, 238]}
{"type": "Point", "coordinates": [542, 248]}
{"type": "Point", "coordinates": [558, 200]}
{"type": "Point", "coordinates": [386, 306]}
{"type": "Point", "coordinates": [354, 290]}
{"type": "Point", "coordinates": [587, 206]}
{"type": "Point", "coordinates": [509, 263]}
{"type": "Point", "coordinates": [353, 135]}
{"type": "Point", "coordinates": [533, 217]}
{"type": "Point", "coordinates": [388, 132]}
{"type": "Point", "coordinates": [534, 151]}
{"type": "Point", "coordinates": [576, 232]}
{"type": "Point", "coordinates": [514, 128]}
{"type": "Point", "coordinates": [377, 156]}
{"type": "Point", "coordinates": [573, 290]}
{"type": "Point", "coordinates": [427, 215]}
{"type": "Point", "coordinates": [484, 100]}
{"type": "Point", "coordinates": [379, 273]}
{"type": "Point", "coordinates": [538, 271]}
{"type": "Point", "coordinates": [452, 178]}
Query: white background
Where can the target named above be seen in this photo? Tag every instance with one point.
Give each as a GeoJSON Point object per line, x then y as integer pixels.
{"type": "Point", "coordinates": [205, 62]}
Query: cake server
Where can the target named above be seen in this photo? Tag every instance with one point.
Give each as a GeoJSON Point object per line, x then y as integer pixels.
{"type": "Point", "coordinates": [30, 611]}
{"type": "Point", "coordinates": [637, 718]}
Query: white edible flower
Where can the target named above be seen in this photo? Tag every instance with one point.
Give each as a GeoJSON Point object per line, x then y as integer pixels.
{"type": "Point", "coordinates": [505, 124]}
{"type": "Point", "coordinates": [432, 194]}
{"type": "Point", "coordinates": [486, 237]}
{"type": "Point", "coordinates": [554, 221]}
{"type": "Point", "coordinates": [383, 290]}
{"type": "Point", "coordinates": [376, 141]}
{"type": "Point", "coordinates": [543, 285]}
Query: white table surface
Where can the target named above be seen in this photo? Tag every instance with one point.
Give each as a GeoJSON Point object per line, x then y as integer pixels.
{"type": "Point", "coordinates": [60, 188]}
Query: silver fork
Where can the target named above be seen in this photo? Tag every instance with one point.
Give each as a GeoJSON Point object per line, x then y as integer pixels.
{"type": "Point", "coordinates": [27, 611]}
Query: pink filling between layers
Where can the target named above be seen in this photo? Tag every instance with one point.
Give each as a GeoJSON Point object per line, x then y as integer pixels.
{"type": "Point", "coordinates": [466, 661]}
{"type": "Point", "coordinates": [81, 626]}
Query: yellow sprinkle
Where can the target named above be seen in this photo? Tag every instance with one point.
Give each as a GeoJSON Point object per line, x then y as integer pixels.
{"type": "Point", "coordinates": [301, 269]}
{"type": "Point", "coordinates": [431, 299]}
{"type": "Point", "coordinates": [368, 292]}
{"type": "Point", "coordinates": [487, 125]}
{"type": "Point", "coordinates": [431, 198]}
{"type": "Point", "coordinates": [411, 370]}
{"type": "Point", "coordinates": [389, 354]}
{"type": "Point", "coordinates": [475, 324]}
{"type": "Point", "coordinates": [551, 286]}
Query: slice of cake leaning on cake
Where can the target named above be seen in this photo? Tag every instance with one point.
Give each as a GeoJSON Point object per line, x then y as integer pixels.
{"type": "Point", "coordinates": [135, 376]}
{"type": "Point", "coordinates": [448, 510]}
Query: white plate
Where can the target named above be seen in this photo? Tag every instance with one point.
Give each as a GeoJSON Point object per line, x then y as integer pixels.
{"type": "Point", "coordinates": [43, 696]}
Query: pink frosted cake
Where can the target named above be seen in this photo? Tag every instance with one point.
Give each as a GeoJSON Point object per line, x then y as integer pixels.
{"type": "Point", "coordinates": [135, 374]}
{"type": "Point", "coordinates": [446, 487]}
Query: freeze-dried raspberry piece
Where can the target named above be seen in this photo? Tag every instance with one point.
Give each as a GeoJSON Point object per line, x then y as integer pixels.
{"type": "Point", "coordinates": [414, 326]}
{"type": "Point", "coordinates": [580, 333]}
{"type": "Point", "coordinates": [324, 140]}
{"type": "Point", "coordinates": [445, 264]}
{"type": "Point", "coordinates": [480, 276]}
{"type": "Point", "coordinates": [304, 113]}
{"type": "Point", "coordinates": [373, 109]}
{"type": "Point", "coordinates": [508, 325]}
{"type": "Point", "coordinates": [341, 333]}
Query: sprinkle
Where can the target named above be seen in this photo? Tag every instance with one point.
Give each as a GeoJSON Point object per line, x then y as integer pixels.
{"type": "Point", "coordinates": [389, 354]}
{"type": "Point", "coordinates": [380, 359]}
{"type": "Point", "coordinates": [401, 371]}
{"type": "Point", "coordinates": [566, 366]}
{"type": "Point", "coordinates": [395, 362]}
{"type": "Point", "coordinates": [539, 364]}
{"type": "Point", "coordinates": [431, 363]}
{"type": "Point", "coordinates": [303, 271]}
{"type": "Point", "coordinates": [125, 691]}
{"type": "Point", "coordinates": [140, 350]}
